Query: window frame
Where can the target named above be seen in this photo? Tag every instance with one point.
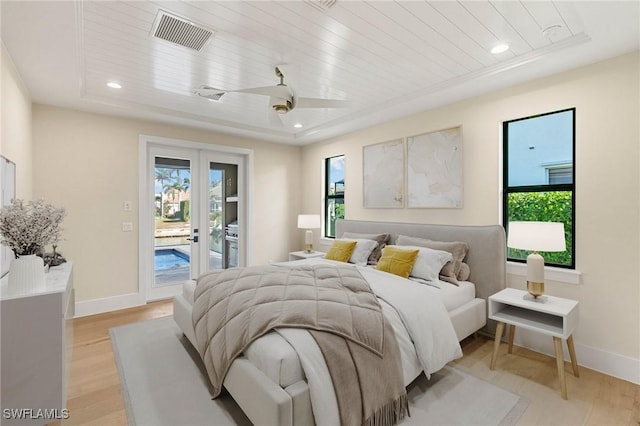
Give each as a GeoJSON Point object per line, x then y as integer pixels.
{"type": "Point", "coordinates": [571, 187]}
{"type": "Point", "coordinates": [328, 198]}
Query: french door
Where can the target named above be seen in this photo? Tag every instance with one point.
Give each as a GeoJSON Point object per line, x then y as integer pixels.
{"type": "Point", "coordinates": [192, 216]}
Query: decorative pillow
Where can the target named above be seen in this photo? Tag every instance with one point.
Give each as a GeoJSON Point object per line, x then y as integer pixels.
{"type": "Point", "coordinates": [457, 248]}
{"type": "Point", "coordinates": [397, 261]}
{"type": "Point", "coordinates": [381, 239]}
{"type": "Point", "coordinates": [465, 272]}
{"type": "Point", "coordinates": [362, 251]}
{"type": "Point", "coordinates": [340, 250]}
{"type": "Point", "coordinates": [429, 262]}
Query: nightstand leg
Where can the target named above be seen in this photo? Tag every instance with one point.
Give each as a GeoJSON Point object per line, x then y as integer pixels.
{"type": "Point", "coordinates": [512, 332]}
{"type": "Point", "coordinates": [572, 355]}
{"type": "Point", "coordinates": [560, 362]}
{"type": "Point", "coordinates": [496, 344]}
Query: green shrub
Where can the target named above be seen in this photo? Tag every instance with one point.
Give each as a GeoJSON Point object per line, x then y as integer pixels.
{"type": "Point", "coordinates": [553, 206]}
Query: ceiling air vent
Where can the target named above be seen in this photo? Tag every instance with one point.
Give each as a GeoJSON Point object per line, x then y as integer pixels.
{"type": "Point", "coordinates": [180, 31]}
{"type": "Point", "coordinates": [321, 5]}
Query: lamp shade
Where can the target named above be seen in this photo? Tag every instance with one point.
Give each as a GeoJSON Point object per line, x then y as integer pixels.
{"type": "Point", "coordinates": [536, 236]}
{"type": "Point", "coordinates": [308, 221]}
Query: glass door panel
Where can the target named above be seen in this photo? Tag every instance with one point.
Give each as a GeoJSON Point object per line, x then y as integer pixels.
{"type": "Point", "coordinates": [172, 221]}
{"type": "Point", "coordinates": [170, 244]}
{"type": "Point", "coordinates": [215, 213]}
{"type": "Point", "coordinates": [223, 215]}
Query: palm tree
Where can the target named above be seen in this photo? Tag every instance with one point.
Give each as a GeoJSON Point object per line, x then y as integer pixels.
{"type": "Point", "coordinates": [178, 187]}
{"type": "Point", "coordinates": [171, 188]}
{"type": "Point", "coordinates": [163, 174]}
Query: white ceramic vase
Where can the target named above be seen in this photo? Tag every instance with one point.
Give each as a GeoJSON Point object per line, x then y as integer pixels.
{"type": "Point", "coordinates": [26, 274]}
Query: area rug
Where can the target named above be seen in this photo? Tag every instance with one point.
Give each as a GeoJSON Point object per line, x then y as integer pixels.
{"type": "Point", "coordinates": [164, 383]}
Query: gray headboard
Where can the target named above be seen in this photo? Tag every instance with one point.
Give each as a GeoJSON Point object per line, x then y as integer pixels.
{"type": "Point", "coordinates": [487, 246]}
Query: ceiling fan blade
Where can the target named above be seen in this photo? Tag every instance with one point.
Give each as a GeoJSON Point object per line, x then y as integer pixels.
{"type": "Point", "coordinates": [209, 92]}
{"type": "Point", "coordinates": [321, 103]}
{"type": "Point", "coordinates": [282, 92]}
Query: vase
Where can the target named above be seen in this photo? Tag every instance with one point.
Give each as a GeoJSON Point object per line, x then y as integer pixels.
{"type": "Point", "coordinates": [26, 274]}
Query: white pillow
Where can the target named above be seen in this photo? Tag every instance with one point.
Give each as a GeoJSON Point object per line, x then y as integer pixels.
{"type": "Point", "coordinates": [429, 262]}
{"type": "Point", "coordinates": [364, 248]}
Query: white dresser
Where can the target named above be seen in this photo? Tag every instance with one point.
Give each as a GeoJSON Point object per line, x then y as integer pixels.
{"type": "Point", "coordinates": [37, 338]}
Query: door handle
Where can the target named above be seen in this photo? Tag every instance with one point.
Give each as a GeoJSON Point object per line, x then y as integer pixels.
{"type": "Point", "coordinates": [194, 239]}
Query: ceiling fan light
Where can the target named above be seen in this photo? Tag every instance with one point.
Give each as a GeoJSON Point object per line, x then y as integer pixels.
{"type": "Point", "coordinates": [281, 106]}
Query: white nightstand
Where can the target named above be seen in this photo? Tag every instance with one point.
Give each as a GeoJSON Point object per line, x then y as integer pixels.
{"type": "Point", "coordinates": [556, 317]}
{"type": "Point", "coordinates": [298, 255]}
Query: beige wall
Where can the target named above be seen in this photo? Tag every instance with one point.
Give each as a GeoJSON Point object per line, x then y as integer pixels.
{"type": "Point", "coordinates": [88, 163]}
{"type": "Point", "coordinates": [15, 124]}
{"type": "Point", "coordinates": [606, 98]}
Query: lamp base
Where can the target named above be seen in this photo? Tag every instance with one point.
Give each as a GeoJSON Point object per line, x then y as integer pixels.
{"type": "Point", "coordinates": [535, 289]}
{"type": "Point", "coordinates": [539, 299]}
{"type": "Point", "coordinates": [308, 241]}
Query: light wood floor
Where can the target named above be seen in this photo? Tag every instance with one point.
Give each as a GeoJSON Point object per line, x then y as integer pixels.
{"type": "Point", "coordinates": [94, 396]}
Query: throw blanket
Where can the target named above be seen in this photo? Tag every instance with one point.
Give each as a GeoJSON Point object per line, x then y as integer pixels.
{"type": "Point", "coordinates": [233, 307]}
{"type": "Point", "coordinates": [361, 379]}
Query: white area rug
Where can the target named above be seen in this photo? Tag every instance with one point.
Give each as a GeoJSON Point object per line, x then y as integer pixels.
{"type": "Point", "coordinates": [164, 383]}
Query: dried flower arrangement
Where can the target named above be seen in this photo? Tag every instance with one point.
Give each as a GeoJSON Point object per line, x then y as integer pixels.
{"type": "Point", "coordinates": [28, 227]}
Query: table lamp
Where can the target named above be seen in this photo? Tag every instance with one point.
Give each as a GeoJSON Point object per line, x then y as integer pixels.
{"type": "Point", "coordinates": [308, 222]}
{"type": "Point", "coordinates": [536, 236]}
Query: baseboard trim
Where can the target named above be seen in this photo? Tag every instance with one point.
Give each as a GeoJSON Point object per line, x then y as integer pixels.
{"type": "Point", "coordinates": [616, 365]}
{"type": "Point", "coordinates": [108, 304]}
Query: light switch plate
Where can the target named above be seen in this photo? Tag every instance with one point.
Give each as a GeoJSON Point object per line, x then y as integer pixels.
{"type": "Point", "coordinates": [127, 206]}
{"type": "Point", "coordinates": [127, 226]}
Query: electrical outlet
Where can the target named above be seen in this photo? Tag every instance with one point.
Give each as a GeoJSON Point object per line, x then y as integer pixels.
{"type": "Point", "coordinates": [127, 206]}
{"type": "Point", "coordinates": [127, 226]}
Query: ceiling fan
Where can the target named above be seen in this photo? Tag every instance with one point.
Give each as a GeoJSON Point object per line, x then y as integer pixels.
{"type": "Point", "coordinates": [282, 97]}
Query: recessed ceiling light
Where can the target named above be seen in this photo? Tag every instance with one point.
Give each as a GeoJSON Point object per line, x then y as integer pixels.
{"type": "Point", "coordinates": [297, 125]}
{"type": "Point", "coordinates": [114, 85]}
{"type": "Point", "coordinates": [499, 48]}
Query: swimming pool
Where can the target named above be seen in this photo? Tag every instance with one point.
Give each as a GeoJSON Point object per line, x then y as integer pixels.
{"type": "Point", "coordinates": [170, 259]}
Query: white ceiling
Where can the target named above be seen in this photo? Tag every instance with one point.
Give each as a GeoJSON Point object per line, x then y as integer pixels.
{"type": "Point", "coordinates": [388, 58]}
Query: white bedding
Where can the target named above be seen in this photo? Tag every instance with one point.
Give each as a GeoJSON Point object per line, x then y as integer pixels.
{"type": "Point", "coordinates": [425, 335]}
{"type": "Point", "coordinates": [272, 355]}
{"type": "Point", "coordinates": [453, 296]}
{"type": "Point", "coordinates": [423, 315]}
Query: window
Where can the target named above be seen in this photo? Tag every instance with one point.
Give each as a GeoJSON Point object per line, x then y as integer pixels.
{"type": "Point", "coordinates": [539, 177]}
{"type": "Point", "coordinates": [560, 174]}
{"type": "Point", "coordinates": [334, 194]}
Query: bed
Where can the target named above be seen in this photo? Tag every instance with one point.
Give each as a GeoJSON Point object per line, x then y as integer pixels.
{"type": "Point", "coordinates": [268, 381]}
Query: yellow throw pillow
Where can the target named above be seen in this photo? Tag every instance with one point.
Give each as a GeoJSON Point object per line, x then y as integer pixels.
{"type": "Point", "coordinates": [341, 250]}
{"type": "Point", "coordinates": [397, 261]}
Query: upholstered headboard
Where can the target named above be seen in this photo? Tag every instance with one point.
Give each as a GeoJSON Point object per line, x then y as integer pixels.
{"type": "Point", "coordinates": [487, 246]}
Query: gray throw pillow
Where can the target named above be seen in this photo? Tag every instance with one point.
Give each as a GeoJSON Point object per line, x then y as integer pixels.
{"type": "Point", "coordinates": [458, 249]}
